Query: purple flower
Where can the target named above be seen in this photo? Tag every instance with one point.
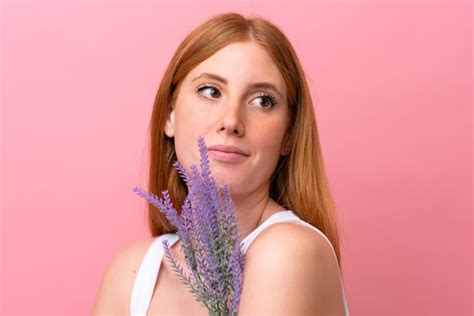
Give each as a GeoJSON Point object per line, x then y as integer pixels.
{"type": "Point", "coordinates": [208, 230]}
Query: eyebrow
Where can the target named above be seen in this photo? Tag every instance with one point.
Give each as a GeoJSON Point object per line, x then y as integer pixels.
{"type": "Point", "coordinates": [264, 85]}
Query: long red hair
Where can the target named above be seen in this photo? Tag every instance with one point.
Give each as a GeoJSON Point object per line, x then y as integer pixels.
{"type": "Point", "coordinates": [299, 182]}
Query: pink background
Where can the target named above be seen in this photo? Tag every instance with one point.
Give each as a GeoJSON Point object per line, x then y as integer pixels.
{"type": "Point", "coordinates": [392, 83]}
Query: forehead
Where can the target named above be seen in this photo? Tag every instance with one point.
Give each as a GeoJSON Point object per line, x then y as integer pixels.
{"type": "Point", "coordinates": [241, 63]}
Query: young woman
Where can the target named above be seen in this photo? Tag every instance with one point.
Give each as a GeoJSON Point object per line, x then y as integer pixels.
{"type": "Point", "coordinates": [238, 83]}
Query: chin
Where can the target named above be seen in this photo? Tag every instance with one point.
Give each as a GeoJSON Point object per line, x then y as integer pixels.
{"type": "Point", "coordinates": [231, 184]}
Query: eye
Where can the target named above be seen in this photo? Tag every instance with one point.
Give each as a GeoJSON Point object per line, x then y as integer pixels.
{"type": "Point", "coordinates": [269, 100]}
{"type": "Point", "coordinates": [210, 88]}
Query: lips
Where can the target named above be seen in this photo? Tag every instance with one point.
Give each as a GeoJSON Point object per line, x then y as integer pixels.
{"type": "Point", "coordinates": [227, 154]}
{"type": "Point", "coordinates": [228, 149]}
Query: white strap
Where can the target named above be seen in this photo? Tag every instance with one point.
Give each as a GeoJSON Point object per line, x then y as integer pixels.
{"type": "Point", "coordinates": [145, 280]}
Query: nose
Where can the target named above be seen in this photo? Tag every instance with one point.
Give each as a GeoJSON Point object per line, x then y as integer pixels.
{"type": "Point", "coordinates": [231, 121]}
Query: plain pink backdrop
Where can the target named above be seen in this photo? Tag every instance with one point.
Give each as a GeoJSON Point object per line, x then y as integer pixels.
{"type": "Point", "coordinates": [392, 85]}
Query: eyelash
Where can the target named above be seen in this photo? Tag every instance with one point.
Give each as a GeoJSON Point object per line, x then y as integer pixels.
{"type": "Point", "coordinates": [270, 96]}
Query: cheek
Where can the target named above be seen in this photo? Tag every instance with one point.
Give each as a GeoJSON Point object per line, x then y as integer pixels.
{"type": "Point", "coordinates": [270, 134]}
{"type": "Point", "coordinates": [193, 111]}
{"type": "Point", "coordinates": [188, 119]}
{"type": "Point", "coordinates": [189, 125]}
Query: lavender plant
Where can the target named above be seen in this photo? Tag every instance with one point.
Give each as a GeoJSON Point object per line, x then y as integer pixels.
{"type": "Point", "coordinates": [210, 237]}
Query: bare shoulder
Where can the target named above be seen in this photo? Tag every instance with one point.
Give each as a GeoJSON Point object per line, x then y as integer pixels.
{"type": "Point", "coordinates": [116, 288]}
{"type": "Point", "coordinates": [293, 236]}
{"type": "Point", "coordinates": [290, 269]}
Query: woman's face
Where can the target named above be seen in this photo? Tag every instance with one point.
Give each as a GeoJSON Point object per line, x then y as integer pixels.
{"type": "Point", "coordinates": [220, 100]}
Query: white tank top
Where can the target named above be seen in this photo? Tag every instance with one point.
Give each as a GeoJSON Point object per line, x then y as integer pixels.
{"type": "Point", "coordinates": [145, 280]}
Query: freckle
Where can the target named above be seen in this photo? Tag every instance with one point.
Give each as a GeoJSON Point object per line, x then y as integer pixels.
{"type": "Point", "coordinates": [134, 271]}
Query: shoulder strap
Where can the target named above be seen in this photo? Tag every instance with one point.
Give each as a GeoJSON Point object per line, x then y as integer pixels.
{"type": "Point", "coordinates": [145, 280]}
{"type": "Point", "coordinates": [282, 216]}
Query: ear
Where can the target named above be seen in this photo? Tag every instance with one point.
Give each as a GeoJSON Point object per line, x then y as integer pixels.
{"type": "Point", "coordinates": [169, 124]}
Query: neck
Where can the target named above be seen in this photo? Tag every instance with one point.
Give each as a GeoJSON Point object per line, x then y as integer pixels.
{"type": "Point", "coordinates": [252, 210]}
